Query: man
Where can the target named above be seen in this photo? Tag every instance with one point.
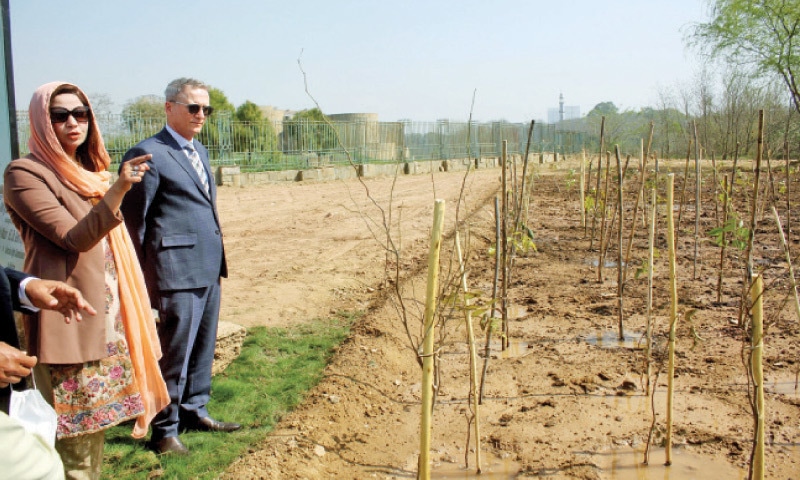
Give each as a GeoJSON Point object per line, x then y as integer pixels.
{"type": "Point", "coordinates": [173, 221]}
{"type": "Point", "coordinates": [25, 455]}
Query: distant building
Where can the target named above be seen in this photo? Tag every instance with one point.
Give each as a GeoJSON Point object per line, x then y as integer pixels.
{"type": "Point", "coordinates": [563, 112]}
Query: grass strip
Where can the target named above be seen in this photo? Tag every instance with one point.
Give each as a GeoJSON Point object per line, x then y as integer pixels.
{"type": "Point", "coordinates": [272, 375]}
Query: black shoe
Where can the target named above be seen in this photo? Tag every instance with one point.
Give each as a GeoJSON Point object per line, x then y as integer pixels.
{"type": "Point", "coordinates": [169, 445]}
{"type": "Point", "coordinates": [208, 424]}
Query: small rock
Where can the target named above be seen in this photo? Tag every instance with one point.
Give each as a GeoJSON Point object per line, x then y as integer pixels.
{"type": "Point", "coordinates": [319, 450]}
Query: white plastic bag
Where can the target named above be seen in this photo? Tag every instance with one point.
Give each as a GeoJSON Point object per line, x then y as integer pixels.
{"type": "Point", "coordinates": [30, 409]}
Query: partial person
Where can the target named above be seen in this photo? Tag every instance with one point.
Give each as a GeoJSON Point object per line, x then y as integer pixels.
{"type": "Point", "coordinates": [173, 221]}
{"type": "Point", "coordinates": [25, 455]}
{"type": "Point", "coordinates": [103, 370]}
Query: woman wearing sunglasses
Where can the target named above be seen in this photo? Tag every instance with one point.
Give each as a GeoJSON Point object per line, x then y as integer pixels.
{"type": "Point", "coordinates": [102, 370]}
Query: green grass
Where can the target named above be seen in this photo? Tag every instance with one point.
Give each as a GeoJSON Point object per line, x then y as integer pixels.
{"type": "Point", "coordinates": [275, 370]}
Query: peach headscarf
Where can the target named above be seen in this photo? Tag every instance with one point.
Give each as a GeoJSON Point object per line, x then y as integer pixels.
{"type": "Point", "coordinates": [140, 329]}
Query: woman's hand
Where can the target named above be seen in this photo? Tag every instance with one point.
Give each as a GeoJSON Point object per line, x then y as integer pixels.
{"type": "Point", "coordinates": [130, 172]}
{"type": "Point", "coordinates": [133, 171]}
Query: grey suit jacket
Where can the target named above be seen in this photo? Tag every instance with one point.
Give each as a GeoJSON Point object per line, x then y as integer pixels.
{"type": "Point", "coordinates": [174, 225]}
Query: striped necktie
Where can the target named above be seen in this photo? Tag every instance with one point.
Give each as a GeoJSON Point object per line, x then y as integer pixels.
{"type": "Point", "coordinates": [197, 164]}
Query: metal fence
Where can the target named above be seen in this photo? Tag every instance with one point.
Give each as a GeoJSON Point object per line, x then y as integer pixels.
{"type": "Point", "coordinates": [265, 145]}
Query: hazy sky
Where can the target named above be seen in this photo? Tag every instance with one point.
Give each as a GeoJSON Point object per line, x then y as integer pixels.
{"type": "Point", "coordinates": [420, 60]}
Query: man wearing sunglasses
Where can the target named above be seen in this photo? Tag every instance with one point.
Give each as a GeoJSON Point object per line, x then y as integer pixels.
{"type": "Point", "coordinates": [173, 221]}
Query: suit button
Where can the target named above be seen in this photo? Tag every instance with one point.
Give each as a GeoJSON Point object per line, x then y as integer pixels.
{"type": "Point", "coordinates": [216, 231]}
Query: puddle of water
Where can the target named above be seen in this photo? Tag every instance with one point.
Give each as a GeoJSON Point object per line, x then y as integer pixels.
{"type": "Point", "coordinates": [626, 464]}
{"type": "Point", "coordinates": [516, 311]}
{"type": "Point", "coordinates": [610, 339]}
{"type": "Point", "coordinates": [607, 264]}
{"type": "Point", "coordinates": [492, 468]}
{"type": "Point", "coordinates": [632, 404]}
{"type": "Point", "coordinates": [516, 348]}
{"type": "Point", "coordinates": [785, 384]}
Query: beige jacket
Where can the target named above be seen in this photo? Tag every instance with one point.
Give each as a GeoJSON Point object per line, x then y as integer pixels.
{"type": "Point", "coordinates": [62, 233]}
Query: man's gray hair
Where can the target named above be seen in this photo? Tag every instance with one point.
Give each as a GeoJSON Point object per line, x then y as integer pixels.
{"type": "Point", "coordinates": [176, 86]}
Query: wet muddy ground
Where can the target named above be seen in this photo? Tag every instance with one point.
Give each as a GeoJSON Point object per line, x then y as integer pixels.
{"type": "Point", "coordinates": [567, 399]}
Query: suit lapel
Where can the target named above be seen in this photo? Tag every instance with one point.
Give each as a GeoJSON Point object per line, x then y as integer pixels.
{"type": "Point", "coordinates": [180, 157]}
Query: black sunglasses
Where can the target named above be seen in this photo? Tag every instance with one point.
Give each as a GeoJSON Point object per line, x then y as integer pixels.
{"type": "Point", "coordinates": [194, 108]}
{"type": "Point", "coordinates": [60, 115]}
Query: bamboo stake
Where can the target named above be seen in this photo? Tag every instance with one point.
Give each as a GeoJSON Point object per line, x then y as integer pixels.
{"type": "Point", "coordinates": [752, 232]}
{"type": "Point", "coordinates": [724, 238]}
{"type": "Point", "coordinates": [651, 246]}
{"type": "Point", "coordinates": [424, 467]}
{"type": "Point", "coordinates": [697, 206]}
{"type": "Point", "coordinates": [788, 195]}
{"type": "Point", "coordinates": [489, 328]}
{"type": "Point", "coordinates": [620, 268]}
{"type": "Point", "coordinates": [504, 254]}
{"type": "Point", "coordinates": [473, 360]}
{"type": "Point", "coordinates": [600, 255]}
{"type": "Point", "coordinates": [685, 182]}
{"type": "Point", "coordinates": [614, 214]}
{"type": "Point", "coordinates": [642, 166]}
{"type": "Point", "coordinates": [756, 354]}
{"type": "Point", "coordinates": [597, 188]}
{"type": "Point", "coordinates": [583, 187]}
{"type": "Point", "coordinates": [792, 278]}
{"type": "Point", "coordinates": [588, 182]}
{"type": "Point", "coordinates": [673, 317]}
{"type": "Point", "coordinates": [716, 187]}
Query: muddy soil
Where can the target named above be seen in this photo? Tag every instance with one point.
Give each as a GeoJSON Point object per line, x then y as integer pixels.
{"type": "Point", "coordinates": [567, 398]}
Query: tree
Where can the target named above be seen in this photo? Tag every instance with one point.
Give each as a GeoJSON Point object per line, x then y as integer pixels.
{"type": "Point", "coordinates": [603, 108]}
{"type": "Point", "coordinates": [760, 34]}
{"type": "Point", "coordinates": [309, 131]}
{"type": "Point", "coordinates": [249, 112]}
{"type": "Point", "coordinates": [252, 133]}
{"type": "Point", "coordinates": [220, 102]}
{"type": "Point", "coordinates": [145, 106]}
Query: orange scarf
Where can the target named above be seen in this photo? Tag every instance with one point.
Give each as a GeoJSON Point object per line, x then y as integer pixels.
{"type": "Point", "coordinates": [140, 327]}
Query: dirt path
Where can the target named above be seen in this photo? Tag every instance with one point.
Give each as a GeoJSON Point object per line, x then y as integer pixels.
{"type": "Point", "coordinates": [565, 401]}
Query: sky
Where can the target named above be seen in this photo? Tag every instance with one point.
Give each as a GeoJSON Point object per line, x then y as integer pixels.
{"type": "Point", "coordinates": [421, 60]}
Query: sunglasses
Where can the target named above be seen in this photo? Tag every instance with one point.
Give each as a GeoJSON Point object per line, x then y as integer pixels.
{"type": "Point", "coordinates": [194, 108]}
{"type": "Point", "coordinates": [60, 115]}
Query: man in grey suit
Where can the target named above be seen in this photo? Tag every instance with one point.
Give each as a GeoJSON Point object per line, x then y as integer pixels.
{"type": "Point", "coordinates": [173, 221]}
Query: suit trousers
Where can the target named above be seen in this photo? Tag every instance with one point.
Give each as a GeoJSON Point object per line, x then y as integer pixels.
{"type": "Point", "coordinates": [187, 328]}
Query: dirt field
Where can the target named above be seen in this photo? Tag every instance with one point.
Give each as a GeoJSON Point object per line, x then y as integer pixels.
{"type": "Point", "coordinates": [566, 399]}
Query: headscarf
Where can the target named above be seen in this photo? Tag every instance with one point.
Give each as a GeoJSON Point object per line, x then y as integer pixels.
{"type": "Point", "coordinates": [140, 327]}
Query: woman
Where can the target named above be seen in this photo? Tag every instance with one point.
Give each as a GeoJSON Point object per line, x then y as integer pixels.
{"type": "Point", "coordinates": [102, 370]}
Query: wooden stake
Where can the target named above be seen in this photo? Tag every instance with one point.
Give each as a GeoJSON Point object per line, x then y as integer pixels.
{"type": "Point", "coordinates": [756, 354]}
{"type": "Point", "coordinates": [599, 169]}
{"type": "Point", "coordinates": [792, 278]}
{"type": "Point", "coordinates": [651, 247]}
{"type": "Point", "coordinates": [504, 254]}
{"type": "Point", "coordinates": [724, 238]}
{"type": "Point", "coordinates": [473, 359]}
{"type": "Point", "coordinates": [697, 207]}
{"type": "Point", "coordinates": [752, 226]}
{"type": "Point", "coordinates": [490, 326]}
{"type": "Point", "coordinates": [583, 188]}
{"type": "Point", "coordinates": [640, 195]}
{"type": "Point", "coordinates": [424, 467]}
{"type": "Point", "coordinates": [620, 267]}
{"type": "Point", "coordinates": [673, 316]}
{"type": "Point", "coordinates": [685, 183]}
{"type": "Point", "coordinates": [600, 255]}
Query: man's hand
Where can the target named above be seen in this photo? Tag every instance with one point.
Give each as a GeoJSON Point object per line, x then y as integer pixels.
{"type": "Point", "coordinates": [55, 295]}
{"type": "Point", "coordinates": [14, 364]}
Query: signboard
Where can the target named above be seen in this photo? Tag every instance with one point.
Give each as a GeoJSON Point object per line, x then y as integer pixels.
{"type": "Point", "coordinates": [12, 253]}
